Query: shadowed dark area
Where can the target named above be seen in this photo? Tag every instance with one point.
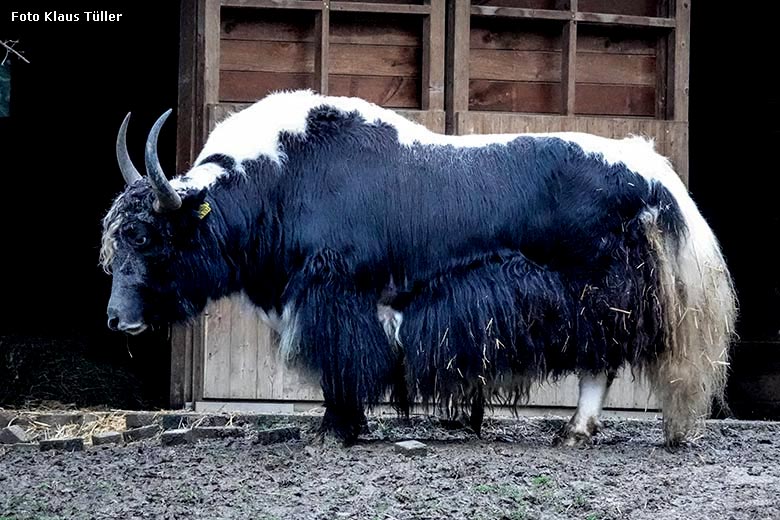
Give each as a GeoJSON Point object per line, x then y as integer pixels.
{"type": "Point", "coordinates": [734, 112]}
{"type": "Point", "coordinates": [59, 178]}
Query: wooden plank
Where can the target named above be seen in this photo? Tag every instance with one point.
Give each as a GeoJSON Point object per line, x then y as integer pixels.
{"type": "Point", "coordinates": [677, 148]}
{"type": "Point", "coordinates": [185, 114]}
{"type": "Point", "coordinates": [527, 4]}
{"type": "Point", "coordinates": [177, 397]}
{"type": "Point", "coordinates": [245, 325]}
{"type": "Point", "coordinates": [286, 26]}
{"type": "Point", "coordinates": [519, 12]}
{"type": "Point", "coordinates": [212, 52]}
{"type": "Point", "coordinates": [569, 64]}
{"type": "Point", "coordinates": [270, 368]}
{"type": "Point", "coordinates": [489, 33]}
{"type": "Point", "coordinates": [507, 65]}
{"type": "Point", "coordinates": [488, 122]}
{"type": "Point", "coordinates": [376, 29]}
{"type": "Point", "coordinates": [662, 77]}
{"type": "Point", "coordinates": [382, 60]}
{"type": "Point", "coordinates": [629, 7]}
{"type": "Point", "coordinates": [322, 49]}
{"type": "Point", "coordinates": [682, 33]}
{"type": "Point", "coordinates": [211, 62]}
{"type": "Point", "coordinates": [392, 92]}
{"type": "Point", "coordinates": [216, 367]}
{"type": "Point", "coordinates": [508, 96]}
{"type": "Point", "coordinates": [387, 91]}
{"type": "Point", "coordinates": [248, 86]}
{"type": "Point", "coordinates": [199, 129]}
{"type": "Point", "coordinates": [275, 4]}
{"type": "Point", "coordinates": [405, 2]}
{"type": "Point", "coordinates": [345, 28]}
{"type": "Point", "coordinates": [459, 56]}
{"type": "Point", "coordinates": [368, 7]}
{"type": "Point", "coordinates": [267, 56]}
{"type": "Point", "coordinates": [198, 327]}
{"type": "Point", "coordinates": [299, 385]}
{"type": "Point", "coordinates": [625, 20]}
{"type": "Point", "coordinates": [433, 119]}
{"type": "Point", "coordinates": [433, 58]}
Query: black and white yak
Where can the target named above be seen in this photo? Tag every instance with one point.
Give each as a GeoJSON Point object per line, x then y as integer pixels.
{"type": "Point", "coordinates": [442, 269]}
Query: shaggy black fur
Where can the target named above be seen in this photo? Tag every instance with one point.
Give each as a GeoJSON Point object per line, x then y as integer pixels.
{"type": "Point", "coordinates": [525, 259]}
{"type": "Point", "coordinates": [341, 337]}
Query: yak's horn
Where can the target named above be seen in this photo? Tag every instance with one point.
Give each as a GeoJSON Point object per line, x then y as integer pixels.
{"type": "Point", "coordinates": [167, 198]}
{"type": "Point", "coordinates": [122, 157]}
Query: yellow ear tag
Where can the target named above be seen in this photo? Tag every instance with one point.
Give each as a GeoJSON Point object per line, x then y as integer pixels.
{"type": "Point", "coordinates": [203, 210]}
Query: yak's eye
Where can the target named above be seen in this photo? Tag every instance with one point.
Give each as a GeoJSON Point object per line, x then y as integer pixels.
{"type": "Point", "coordinates": [137, 236]}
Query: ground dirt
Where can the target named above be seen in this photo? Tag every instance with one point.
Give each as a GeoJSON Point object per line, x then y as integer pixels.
{"type": "Point", "coordinates": [514, 472]}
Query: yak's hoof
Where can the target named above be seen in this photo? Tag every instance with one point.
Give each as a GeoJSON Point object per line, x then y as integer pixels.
{"type": "Point", "coordinates": [344, 429]}
{"type": "Point", "coordinates": [579, 433]}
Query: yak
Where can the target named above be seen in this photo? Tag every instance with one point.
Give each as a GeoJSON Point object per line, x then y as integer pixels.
{"type": "Point", "coordinates": [452, 270]}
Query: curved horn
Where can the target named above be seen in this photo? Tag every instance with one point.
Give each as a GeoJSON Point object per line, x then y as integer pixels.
{"type": "Point", "coordinates": [122, 157]}
{"type": "Point", "coordinates": [167, 198]}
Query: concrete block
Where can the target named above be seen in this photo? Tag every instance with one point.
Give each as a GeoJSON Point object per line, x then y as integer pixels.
{"type": "Point", "coordinates": [275, 435]}
{"type": "Point", "coordinates": [59, 419]}
{"type": "Point", "coordinates": [22, 446]}
{"type": "Point", "coordinates": [176, 437]}
{"type": "Point", "coordinates": [66, 444]}
{"type": "Point", "coordinates": [12, 435]}
{"type": "Point", "coordinates": [137, 420]}
{"type": "Point", "coordinates": [143, 432]}
{"type": "Point", "coordinates": [217, 432]}
{"type": "Point", "coordinates": [99, 439]}
{"type": "Point", "coordinates": [411, 448]}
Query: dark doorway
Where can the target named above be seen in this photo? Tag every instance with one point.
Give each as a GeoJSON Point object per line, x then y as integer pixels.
{"type": "Point", "coordinates": [59, 177]}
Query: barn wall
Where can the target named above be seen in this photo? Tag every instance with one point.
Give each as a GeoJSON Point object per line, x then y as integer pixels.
{"type": "Point", "coordinates": [608, 68]}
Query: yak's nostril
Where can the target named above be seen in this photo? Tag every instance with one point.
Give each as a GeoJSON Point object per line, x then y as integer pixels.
{"type": "Point", "coordinates": [113, 319]}
{"type": "Point", "coordinates": [113, 323]}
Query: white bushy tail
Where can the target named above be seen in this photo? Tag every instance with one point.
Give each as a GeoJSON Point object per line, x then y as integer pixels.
{"type": "Point", "coordinates": [700, 310]}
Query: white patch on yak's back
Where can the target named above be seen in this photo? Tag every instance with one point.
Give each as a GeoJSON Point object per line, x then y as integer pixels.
{"type": "Point", "coordinates": [199, 177]}
{"type": "Point", "coordinates": [254, 132]}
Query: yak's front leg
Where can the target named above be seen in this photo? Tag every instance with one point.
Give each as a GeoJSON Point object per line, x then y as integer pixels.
{"type": "Point", "coordinates": [338, 334]}
{"type": "Point", "coordinates": [585, 423]}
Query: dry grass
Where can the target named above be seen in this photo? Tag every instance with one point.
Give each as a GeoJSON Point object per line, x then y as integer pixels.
{"type": "Point", "coordinates": [89, 424]}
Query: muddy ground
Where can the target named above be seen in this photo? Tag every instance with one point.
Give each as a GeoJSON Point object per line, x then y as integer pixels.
{"type": "Point", "coordinates": [514, 472]}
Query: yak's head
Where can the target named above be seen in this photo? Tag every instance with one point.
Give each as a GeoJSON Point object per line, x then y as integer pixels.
{"type": "Point", "coordinates": [152, 239]}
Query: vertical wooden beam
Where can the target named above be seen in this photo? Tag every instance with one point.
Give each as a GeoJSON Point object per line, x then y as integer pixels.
{"type": "Point", "coordinates": [198, 87]}
{"type": "Point", "coordinates": [569, 61]}
{"type": "Point", "coordinates": [322, 50]}
{"type": "Point", "coordinates": [457, 71]}
{"type": "Point", "coordinates": [188, 128]}
{"type": "Point", "coordinates": [568, 58]}
{"type": "Point", "coordinates": [433, 58]}
{"type": "Point", "coordinates": [211, 35]}
{"type": "Point", "coordinates": [682, 31]}
{"type": "Point", "coordinates": [187, 85]}
{"type": "Point", "coordinates": [664, 66]}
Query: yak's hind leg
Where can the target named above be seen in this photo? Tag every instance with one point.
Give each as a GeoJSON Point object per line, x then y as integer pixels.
{"type": "Point", "coordinates": [585, 423]}
{"type": "Point", "coordinates": [338, 334]}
